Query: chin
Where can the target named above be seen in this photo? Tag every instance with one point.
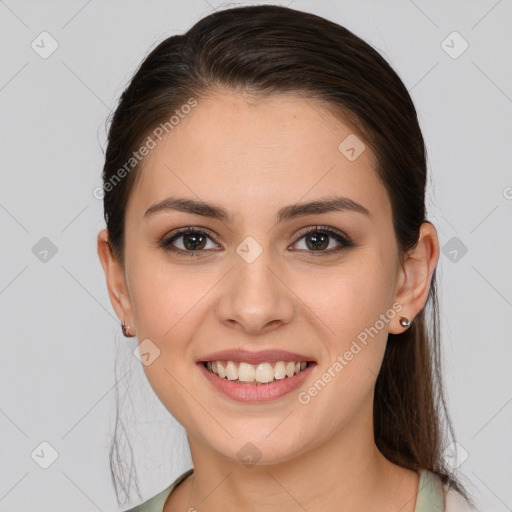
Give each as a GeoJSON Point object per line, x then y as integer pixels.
{"type": "Point", "coordinates": [259, 448]}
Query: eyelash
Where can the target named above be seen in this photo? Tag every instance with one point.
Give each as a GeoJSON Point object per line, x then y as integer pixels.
{"type": "Point", "coordinates": [345, 241]}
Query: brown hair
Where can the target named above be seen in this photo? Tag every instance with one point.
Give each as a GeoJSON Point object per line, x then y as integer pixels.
{"type": "Point", "coordinates": [264, 50]}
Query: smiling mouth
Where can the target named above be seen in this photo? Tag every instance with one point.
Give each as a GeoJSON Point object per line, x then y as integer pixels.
{"type": "Point", "coordinates": [263, 373]}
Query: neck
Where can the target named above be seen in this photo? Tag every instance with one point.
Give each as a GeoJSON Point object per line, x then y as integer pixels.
{"type": "Point", "coordinates": [346, 474]}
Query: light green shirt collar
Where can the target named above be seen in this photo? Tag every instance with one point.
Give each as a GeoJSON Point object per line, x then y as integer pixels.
{"type": "Point", "coordinates": [429, 499]}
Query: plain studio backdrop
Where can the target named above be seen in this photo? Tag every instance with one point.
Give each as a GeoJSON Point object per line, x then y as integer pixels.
{"type": "Point", "coordinates": [64, 65]}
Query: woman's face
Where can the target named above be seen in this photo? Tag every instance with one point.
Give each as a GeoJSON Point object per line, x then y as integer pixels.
{"type": "Point", "coordinates": [253, 281]}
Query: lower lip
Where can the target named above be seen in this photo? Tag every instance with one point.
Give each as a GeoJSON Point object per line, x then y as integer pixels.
{"type": "Point", "coordinates": [257, 392]}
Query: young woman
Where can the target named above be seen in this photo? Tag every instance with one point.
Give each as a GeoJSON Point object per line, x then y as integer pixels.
{"type": "Point", "coordinates": [267, 244]}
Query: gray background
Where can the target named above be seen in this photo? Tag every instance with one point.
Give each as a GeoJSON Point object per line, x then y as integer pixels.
{"type": "Point", "coordinates": [60, 335]}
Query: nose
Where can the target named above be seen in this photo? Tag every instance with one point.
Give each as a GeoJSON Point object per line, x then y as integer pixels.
{"type": "Point", "coordinates": [255, 297]}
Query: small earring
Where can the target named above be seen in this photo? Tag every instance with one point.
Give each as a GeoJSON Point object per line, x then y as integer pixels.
{"type": "Point", "coordinates": [126, 329]}
{"type": "Point", "coordinates": [405, 322]}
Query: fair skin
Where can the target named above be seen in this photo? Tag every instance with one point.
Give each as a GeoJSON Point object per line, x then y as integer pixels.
{"type": "Point", "coordinates": [253, 158]}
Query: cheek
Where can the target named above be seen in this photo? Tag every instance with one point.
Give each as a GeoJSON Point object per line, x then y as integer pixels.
{"type": "Point", "coordinates": [351, 325]}
{"type": "Point", "coordinates": [168, 308]}
{"type": "Point", "coordinates": [351, 298]}
{"type": "Point", "coordinates": [353, 311]}
{"type": "Point", "coordinates": [166, 300]}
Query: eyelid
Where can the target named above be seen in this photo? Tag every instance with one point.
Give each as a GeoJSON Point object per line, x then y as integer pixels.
{"type": "Point", "coordinates": [190, 229]}
{"type": "Point", "coordinates": [328, 229]}
{"type": "Point", "coordinates": [344, 241]}
{"type": "Point", "coordinates": [167, 241]}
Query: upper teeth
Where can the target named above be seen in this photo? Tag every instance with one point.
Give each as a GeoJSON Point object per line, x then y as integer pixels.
{"type": "Point", "coordinates": [263, 372]}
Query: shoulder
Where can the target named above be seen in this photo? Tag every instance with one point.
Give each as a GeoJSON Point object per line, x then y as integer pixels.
{"type": "Point", "coordinates": [454, 502]}
{"type": "Point", "coordinates": [433, 495]}
{"type": "Point", "coordinates": [156, 503]}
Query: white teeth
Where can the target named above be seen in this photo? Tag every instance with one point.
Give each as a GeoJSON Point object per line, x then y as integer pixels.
{"type": "Point", "coordinates": [290, 369]}
{"type": "Point", "coordinates": [246, 372]}
{"type": "Point", "coordinates": [231, 370]}
{"type": "Point", "coordinates": [261, 373]}
{"type": "Point", "coordinates": [279, 370]}
{"type": "Point", "coordinates": [264, 373]}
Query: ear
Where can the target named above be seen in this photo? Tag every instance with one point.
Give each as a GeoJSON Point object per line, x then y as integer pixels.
{"type": "Point", "coordinates": [415, 276]}
{"type": "Point", "coordinates": [116, 283]}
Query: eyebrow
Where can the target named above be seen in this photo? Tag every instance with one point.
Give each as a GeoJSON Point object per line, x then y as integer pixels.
{"type": "Point", "coordinates": [332, 204]}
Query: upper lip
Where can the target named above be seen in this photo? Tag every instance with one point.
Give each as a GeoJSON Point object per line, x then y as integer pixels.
{"type": "Point", "coordinates": [271, 356]}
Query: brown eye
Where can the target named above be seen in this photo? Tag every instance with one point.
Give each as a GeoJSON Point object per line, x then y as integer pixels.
{"type": "Point", "coordinates": [318, 239]}
{"type": "Point", "coordinates": [188, 241]}
{"type": "Point", "coordinates": [194, 241]}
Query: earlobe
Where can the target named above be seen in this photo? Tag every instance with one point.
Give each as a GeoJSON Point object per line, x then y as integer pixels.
{"type": "Point", "coordinates": [416, 271]}
{"type": "Point", "coordinates": [115, 279]}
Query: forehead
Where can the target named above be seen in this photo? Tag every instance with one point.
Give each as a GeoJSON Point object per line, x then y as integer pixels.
{"type": "Point", "coordinates": [236, 149]}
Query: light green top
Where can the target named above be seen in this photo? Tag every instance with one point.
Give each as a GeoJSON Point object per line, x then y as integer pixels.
{"type": "Point", "coordinates": [430, 494]}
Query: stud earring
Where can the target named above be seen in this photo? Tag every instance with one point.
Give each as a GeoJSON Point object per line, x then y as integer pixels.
{"type": "Point", "coordinates": [405, 322]}
{"type": "Point", "coordinates": [126, 329]}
